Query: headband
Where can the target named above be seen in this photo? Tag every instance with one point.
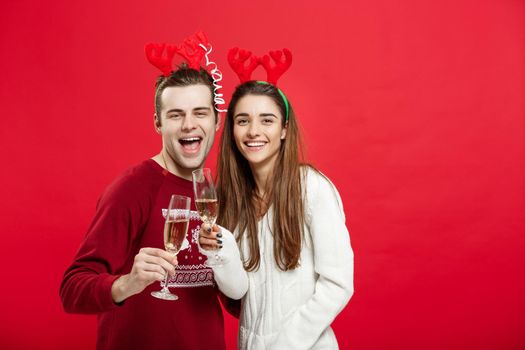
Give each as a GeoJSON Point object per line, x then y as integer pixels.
{"type": "Point", "coordinates": [244, 63]}
{"type": "Point", "coordinates": [193, 49]}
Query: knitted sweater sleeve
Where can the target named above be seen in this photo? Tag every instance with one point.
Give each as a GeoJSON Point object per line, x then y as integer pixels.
{"type": "Point", "coordinates": [231, 277]}
{"type": "Point", "coordinates": [104, 252]}
{"type": "Point", "coordinates": [333, 262]}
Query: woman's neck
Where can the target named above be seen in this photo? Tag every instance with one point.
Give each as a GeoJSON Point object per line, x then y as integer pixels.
{"type": "Point", "coordinates": [262, 174]}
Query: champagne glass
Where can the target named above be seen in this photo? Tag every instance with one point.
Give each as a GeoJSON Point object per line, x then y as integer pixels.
{"type": "Point", "coordinates": [175, 229]}
{"type": "Point", "coordinates": [207, 205]}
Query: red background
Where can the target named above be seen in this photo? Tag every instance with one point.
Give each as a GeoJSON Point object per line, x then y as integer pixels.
{"type": "Point", "coordinates": [415, 110]}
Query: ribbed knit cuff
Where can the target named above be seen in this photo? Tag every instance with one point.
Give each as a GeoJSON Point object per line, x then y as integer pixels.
{"type": "Point", "coordinates": [103, 291]}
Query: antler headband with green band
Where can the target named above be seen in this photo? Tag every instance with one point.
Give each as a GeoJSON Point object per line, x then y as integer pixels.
{"type": "Point", "coordinates": [244, 63]}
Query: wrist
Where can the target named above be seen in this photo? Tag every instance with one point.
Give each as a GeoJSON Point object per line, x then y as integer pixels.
{"type": "Point", "coordinates": [119, 290]}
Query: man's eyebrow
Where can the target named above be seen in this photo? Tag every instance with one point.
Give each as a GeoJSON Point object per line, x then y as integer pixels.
{"type": "Point", "coordinates": [202, 108]}
{"type": "Point", "coordinates": [196, 109]}
{"type": "Point", "coordinates": [176, 110]}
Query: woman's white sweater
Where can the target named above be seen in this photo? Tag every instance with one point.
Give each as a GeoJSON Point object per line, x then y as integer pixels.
{"type": "Point", "coordinates": [294, 309]}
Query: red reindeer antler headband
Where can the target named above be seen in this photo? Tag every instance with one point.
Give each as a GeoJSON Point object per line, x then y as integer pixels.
{"type": "Point", "coordinates": [237, 58]}
{"type": "Point", "coordinates": [193, 49]}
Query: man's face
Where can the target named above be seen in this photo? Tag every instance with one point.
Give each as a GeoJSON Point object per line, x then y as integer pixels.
{"type": "Point", "coordinates": [187, 126]}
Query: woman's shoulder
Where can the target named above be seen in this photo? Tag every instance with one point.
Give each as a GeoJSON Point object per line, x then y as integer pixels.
{"type": "Point", "coordinates": [319, 192]}
{"type": "Point", "coordinates": [314, 179]}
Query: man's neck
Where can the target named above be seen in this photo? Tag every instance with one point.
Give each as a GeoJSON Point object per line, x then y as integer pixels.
{"type": "Point", "coordinates": [165, 161]}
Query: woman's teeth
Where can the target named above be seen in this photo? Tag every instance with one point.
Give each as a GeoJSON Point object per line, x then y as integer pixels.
{"type": "Point", "coordinates": [255, 144]}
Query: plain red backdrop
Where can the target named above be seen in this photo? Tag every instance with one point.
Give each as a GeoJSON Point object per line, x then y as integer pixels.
{"type": "Point", "coordinates": [415, 110]}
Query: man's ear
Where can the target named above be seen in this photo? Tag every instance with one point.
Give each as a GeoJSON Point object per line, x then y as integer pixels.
{"type": "Point", "coordinates": [157, 123]}
{"type": "Point", "coordinates": [218, 123]}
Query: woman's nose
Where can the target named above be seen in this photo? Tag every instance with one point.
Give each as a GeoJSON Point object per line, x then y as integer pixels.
{"type": "Point", "coordinates": [253, 129]}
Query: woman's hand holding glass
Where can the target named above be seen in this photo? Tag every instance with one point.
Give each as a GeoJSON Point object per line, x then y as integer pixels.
{"type": "Point", "coordinates": [210, 237]}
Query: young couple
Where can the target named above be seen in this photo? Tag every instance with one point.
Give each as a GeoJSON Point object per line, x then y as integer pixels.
{"type": "Point", "coordinates": [282, 234]}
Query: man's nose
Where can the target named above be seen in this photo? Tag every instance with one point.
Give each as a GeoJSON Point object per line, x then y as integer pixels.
{"type": "Point", "coordinates": [188, 123]}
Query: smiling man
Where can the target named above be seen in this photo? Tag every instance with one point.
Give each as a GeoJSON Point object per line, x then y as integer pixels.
{"type": "Point", "coordinates": [121, 256]}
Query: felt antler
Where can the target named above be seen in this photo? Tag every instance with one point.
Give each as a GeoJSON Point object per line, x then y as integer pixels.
{"type": "Point", "coordinates": [155, 55]}
{"type": "Point", "coordinates": [191, 50]}
{"type": "Point", "coordinates": [237, 59]}
{"type": "Point", "coordinates": [282, 63]}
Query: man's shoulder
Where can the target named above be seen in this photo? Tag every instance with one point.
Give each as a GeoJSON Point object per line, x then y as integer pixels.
{"type": "Point", "coordinates": [136, 181]}
{"type": "Point", "coordinates": [139, 172]}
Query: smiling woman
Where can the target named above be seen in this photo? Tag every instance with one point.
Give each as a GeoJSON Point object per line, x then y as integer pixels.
{"type": "Point", "coordinates": [258, 130]}
{"type": "Point", "coordinates": [289, 223]}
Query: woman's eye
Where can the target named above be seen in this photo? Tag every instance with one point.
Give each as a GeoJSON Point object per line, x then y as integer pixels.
{"type": "Point", "coordinates": [172, 116]}
{"type": "Point", "coordinates": [268, 121]}
{"type": "Point", "coordinates": [202, 114]}
{"type": "Point", "coordinates": [242, 121]}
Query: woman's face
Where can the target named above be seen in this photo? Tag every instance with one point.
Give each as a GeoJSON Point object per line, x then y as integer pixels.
{"type": "Point", "coordinates": [257, 130]}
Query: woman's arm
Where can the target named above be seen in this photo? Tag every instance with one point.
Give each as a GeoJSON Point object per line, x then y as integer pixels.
{"type": "Point", "coordinates": [333, 262]}
{"type": "Point", "coordinates": [231, 277]}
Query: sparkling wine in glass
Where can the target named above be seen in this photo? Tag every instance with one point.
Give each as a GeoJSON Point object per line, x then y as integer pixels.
{"type": "Point", "coordinates": [175, 229]}
{"type": "Point", "coordinates": [206, 203]}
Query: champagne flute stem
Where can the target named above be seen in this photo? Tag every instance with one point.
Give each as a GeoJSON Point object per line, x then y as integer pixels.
{"type": "Point", "coordinates": [165, 288]}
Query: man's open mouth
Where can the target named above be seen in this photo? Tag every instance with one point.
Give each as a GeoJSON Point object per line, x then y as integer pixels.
{"type": "Point", "coordinates": [190, 143]}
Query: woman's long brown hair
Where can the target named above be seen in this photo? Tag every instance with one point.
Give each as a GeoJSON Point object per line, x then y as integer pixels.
{"type": "Point", "coordinates": [239, 205]}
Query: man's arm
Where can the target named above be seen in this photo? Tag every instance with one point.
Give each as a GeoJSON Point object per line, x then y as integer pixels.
{"type": "Point", "coordinates": [150, 265]}
{"type": "Point", "coordinates": [100, 276]}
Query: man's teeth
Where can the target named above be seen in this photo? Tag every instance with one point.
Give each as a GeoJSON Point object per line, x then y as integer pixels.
{"type": "Point", "coordinates": [255, 144]}
{"type": "Point", "coordinates": [191, 139]}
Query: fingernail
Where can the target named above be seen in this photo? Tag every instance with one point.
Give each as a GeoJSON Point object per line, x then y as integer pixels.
{"type": "Point", "coordinates": [219, 241]}
{"type": "Point", "coordinates": [219, 235]}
